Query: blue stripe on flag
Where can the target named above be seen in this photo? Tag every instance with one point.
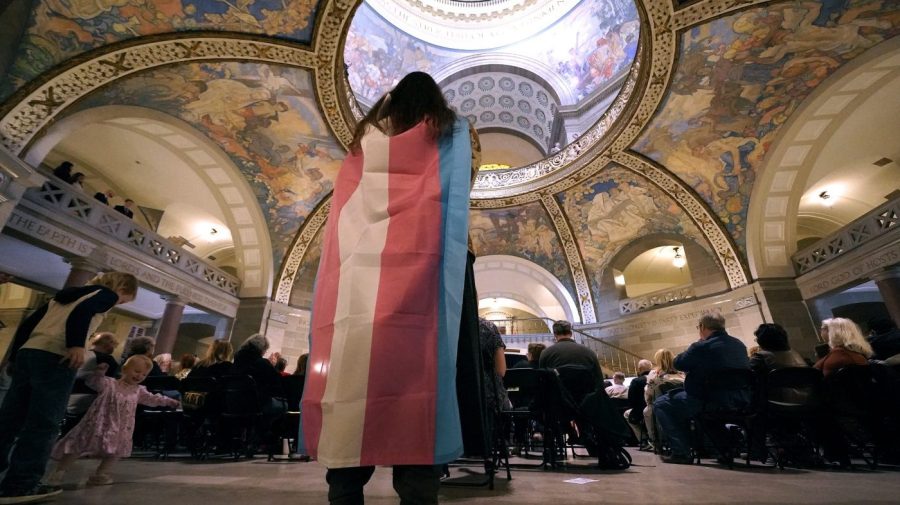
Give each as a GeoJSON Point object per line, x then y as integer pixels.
{"type": "Point", "coordinates": [455, 153]}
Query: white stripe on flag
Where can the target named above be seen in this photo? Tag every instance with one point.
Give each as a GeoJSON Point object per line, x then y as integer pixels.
{"type": "Point", "coordinates": [362, 233]}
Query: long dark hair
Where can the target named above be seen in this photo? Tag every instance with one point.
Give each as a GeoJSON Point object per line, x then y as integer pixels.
{"type": "Point", "coordinates": [414, 99]}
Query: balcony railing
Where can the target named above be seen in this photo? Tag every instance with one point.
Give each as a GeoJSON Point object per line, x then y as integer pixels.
{"type": "Point", "coordinates": [611, 356]}
{"type": "Point", "coordinates": [68, 201]}
{"type": "Point", "coordinates": [639, 303]}
{"type": "Point", "coordinates": [876, 223]}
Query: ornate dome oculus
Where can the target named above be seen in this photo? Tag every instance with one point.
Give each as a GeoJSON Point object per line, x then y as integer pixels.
{"type": "Point", "coordinates": [542, 71]}
{"type": "Point", "coordinates": [472, 25]}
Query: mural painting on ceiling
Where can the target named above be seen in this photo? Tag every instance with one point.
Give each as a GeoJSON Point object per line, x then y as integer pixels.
{"type": "Point", "coordinates": [264, 117]}
{"type": "Point", "coordinates": [616, 208]}
{"type": "Point", "coordinates": [60, 29]}
{"type": "Point", "coordinates": [740, 77]}
{"type": "Point", "coordinates": [588, 47]}
{"type": "Point", "coordinates": [526, 232]}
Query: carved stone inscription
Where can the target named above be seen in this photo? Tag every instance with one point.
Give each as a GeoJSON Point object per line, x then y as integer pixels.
{"type": "Point", "coordinates": [847, 271]}
{"type": "Point", "coordinates": [49, 234]}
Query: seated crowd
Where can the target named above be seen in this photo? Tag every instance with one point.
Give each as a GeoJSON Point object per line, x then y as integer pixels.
{"type": "Point", "coordinates": [218, 366]}
{"type": "Point", "coordinates": [716, 398]}
{"type": "Point", "coordinates": [672, 400]}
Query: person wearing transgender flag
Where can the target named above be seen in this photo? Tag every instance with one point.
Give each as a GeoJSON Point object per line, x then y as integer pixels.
{"type": "Point", "coordinates": [389, 299]}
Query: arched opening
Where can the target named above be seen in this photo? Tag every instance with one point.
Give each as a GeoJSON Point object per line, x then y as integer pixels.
{"type": "Point", "coordinates": [651, 262]}
{"type": "Point", "coordinates": [187, 188]}
{"type": "Point", "coordinates": [521, 285]}
{"type": "Point", "coordinates": [840, 148]}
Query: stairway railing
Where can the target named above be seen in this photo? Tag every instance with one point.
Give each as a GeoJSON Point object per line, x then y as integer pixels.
{"type": "Point", "coordinates": [610, 355]}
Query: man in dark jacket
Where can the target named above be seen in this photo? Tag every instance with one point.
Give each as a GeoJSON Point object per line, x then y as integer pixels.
{"type": "Point", "coordinates": [636, 400]}
{"type": "Point", "coordinates": [716, 350]}
{"type": "Point", "coordinates": [566, 351]}
{"type": "Point", "coordinates": [47, 349]}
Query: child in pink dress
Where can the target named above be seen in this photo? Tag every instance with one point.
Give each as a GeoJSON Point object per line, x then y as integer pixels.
{"type": "Point", "coordinates": [106, 429]}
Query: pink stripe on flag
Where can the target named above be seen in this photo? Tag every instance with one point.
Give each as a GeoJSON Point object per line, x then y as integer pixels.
{"type": "Point", "coordinates": [400, 411]}
{"type": "Point", "coordinates": [325, 304]}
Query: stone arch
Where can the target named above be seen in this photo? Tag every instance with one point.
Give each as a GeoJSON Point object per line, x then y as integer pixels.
{"type": "Point", "coordinates": [526, 282]}
{"type": "Point", "coordinates": [253, 247]}
{"type": "Point", "coordinates": [707, 276]}
{"type": "Point", "coordinates": [774, 204]}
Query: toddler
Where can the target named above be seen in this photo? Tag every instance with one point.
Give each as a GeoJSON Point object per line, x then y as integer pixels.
{"type": "Point", "coordinates": [106, 429]}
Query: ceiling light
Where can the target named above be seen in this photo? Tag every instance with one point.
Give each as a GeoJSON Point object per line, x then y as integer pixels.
{"type": "Point", "coordinates": [213, 231]}
{"type": "Point", "coordinates": [678, 261]}
{"type": "Point", "coordinates": [620, 279]}
{"type": "Point", "coordinates": [824, 195]}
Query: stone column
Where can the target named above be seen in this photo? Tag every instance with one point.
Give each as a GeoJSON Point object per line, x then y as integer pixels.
{"type": "Point", "coordinates": [888, 282]}
{"type": "Point", "coordinates": [251, 317]}
{"type": "Point", "coordinates": [781, 302]}
{"type": "Point", "coordinates": [168, 326]}
{"type": "Point", "coordinates": [81, 272]}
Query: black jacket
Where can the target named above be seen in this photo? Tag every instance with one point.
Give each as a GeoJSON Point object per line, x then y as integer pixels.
{"type": "Point", "coordinates": [248, 361]}
{"type": "Point", "coordinates": [79, 320]}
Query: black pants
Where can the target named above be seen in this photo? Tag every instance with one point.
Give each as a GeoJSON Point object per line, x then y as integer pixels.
{"type": "Point", "coordinates": [416, 484]}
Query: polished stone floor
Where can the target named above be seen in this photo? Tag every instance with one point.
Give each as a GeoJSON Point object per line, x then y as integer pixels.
{"type": "Point", "coordinates": [183, 481]}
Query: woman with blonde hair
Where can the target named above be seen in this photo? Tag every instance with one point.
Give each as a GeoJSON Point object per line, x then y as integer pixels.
{"type": "Point", "coordinates": [663, 377]}
{"type": "Point", "coordinates": [47, 350]}
{"type": "Point", "coordinates": [847, 345]}
{"type": "Point", "coordinates": [216, 362]}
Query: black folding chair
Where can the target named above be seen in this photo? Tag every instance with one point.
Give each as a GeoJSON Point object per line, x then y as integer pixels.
{"type": "Point", "coordinates": [790, 401]}
{"type": "Point", "coordinates": [159, 423]}
{"type": "Point", "coordinates": [531, 394]}
{"type": "Point", "coordinates": [288, 426]}
{"type": "Point", "coordinates": [724, 425]}
{"type": "Point", "coordinates": [241, 414]}
{"type": "Point", "coordinates": [201, 404]}
{"type": "Point", "coordinates": [853, 398]}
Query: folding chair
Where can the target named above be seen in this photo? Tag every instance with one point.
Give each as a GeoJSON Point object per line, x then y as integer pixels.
{"type": "Point", "coordinates": [201, 405]}
{"type": "Point", "coordinates": [241, 413]}
{"type": "Point", "coordinates": [713, 416]}
{"type": "Point", "coordinates": [160, 423]}
{"type": "Point", "coordinates": [790, 402]}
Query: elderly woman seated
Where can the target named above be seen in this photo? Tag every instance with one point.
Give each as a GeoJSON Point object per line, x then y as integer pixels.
{"type": "Point", "coordinates": [249, 360]}
{"type": "Point", "coordinates": [846, 343]}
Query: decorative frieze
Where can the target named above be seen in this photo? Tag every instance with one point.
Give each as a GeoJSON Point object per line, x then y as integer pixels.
{"type": "Point", "coordinates": [639, 303]}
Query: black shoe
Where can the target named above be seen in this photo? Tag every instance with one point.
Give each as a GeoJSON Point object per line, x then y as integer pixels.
{"type": "Point", "coordinates": [37, 493]}
{"type": "Point", "coordinates": [678, 459]}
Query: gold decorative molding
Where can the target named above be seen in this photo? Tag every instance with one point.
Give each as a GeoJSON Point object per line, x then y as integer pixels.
{"type": "Point", "coordinates": [699, 212]}
{"type": "Point", "coordinates": [705, 10]}
{"type": "Point", "coordinates": [573, 257]}
{"type": "Point", "coordinates": [292, 261]}
{"type": "Point", "coordinates": [24, 120]}
{"type": "Point", "coordinates": [645, 88]}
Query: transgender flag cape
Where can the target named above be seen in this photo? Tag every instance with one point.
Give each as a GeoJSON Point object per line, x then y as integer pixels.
{"type": "Point", "coordinates": [381, 380]}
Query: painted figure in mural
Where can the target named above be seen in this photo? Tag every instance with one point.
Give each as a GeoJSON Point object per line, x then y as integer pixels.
{"type": "Point", "coordinates": [394, 300]}
{"type": "Point", "coordinates": [262, 116]}
{"type": "Point", "coordinates": [738, 81]}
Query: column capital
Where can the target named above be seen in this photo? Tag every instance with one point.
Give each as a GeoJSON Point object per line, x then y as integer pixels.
{"type": "Point", "coordinates": [892, 272]}
{"type": "Point", "coordinates": [172, 299]}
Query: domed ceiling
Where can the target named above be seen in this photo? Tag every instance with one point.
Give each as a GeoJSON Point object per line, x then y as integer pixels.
{"type": "Point", "coordinates": [675, 104]}
{"type": "Point", "coordinates": [540, 70]}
